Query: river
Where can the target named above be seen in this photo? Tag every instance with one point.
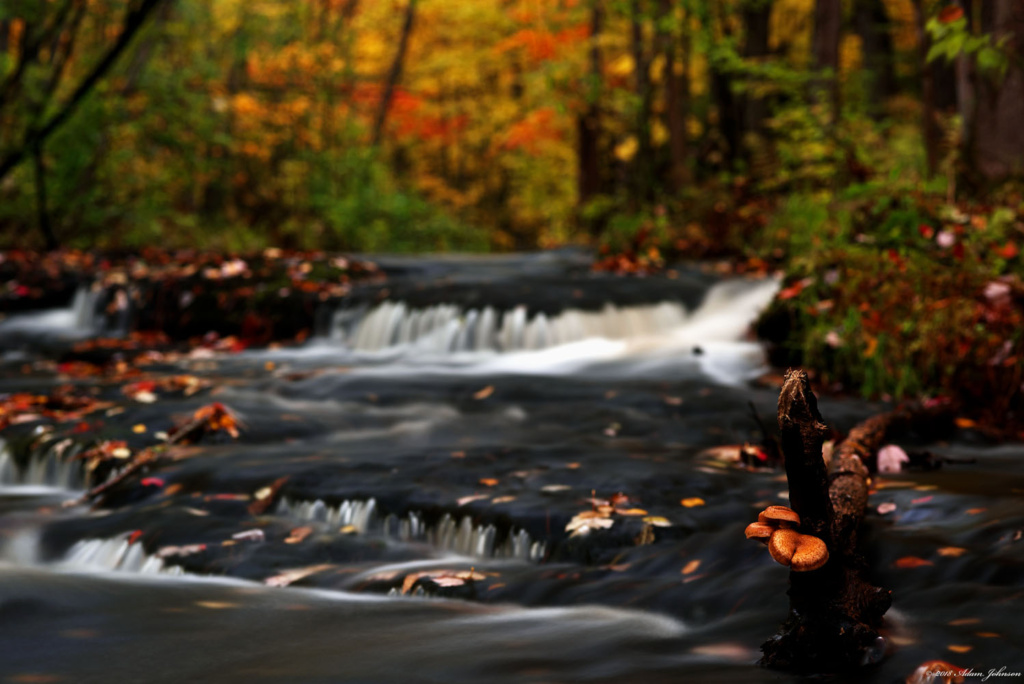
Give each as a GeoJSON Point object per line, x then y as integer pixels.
{"type": "Point", "coordinates": [430, 445]}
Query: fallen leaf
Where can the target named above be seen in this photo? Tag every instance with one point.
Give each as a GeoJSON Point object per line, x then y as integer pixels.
{"type": "Point", "coordinates": [555, 488]}
{"type": "Point", "coordinates": [911, 562]}
{"type": "Point", "coordinates": [249, 535]}
{"type": "Point", "coordinates": [885, 508]}
{"type": "Point", "coordinates": [216, 605]}
{"type": "Point", "coordinates": [960, 622]}
{"type": "Point", "coordinates": [975, 511]}
{"type": "Point", "coordinates": [891, 459]}
{"type": "Point", "coordinates": [923, 499]}
{"type": "Point", "coordinates": [957, 648]}
{"type": "Point", "coordinates": [138, 428]}
{"type": "Point", "coordinates": [691, 567]}
{"type": "Point", "coordinates": [298, 534]}
{"type": "Point", "coordinates": [484, 393]}
{"type": "Point", "coordinates": [488, 481]}
{"type": "Point", "coordinates": [952, 551]}
{"type": "Point", "coordinates": [964, 423]}
{"type": "Point", "coordinates": [502, 499]}
{"type": "Point", "coordinates": [283, 579]}
{"type": "Point", "coordinates": [630, 511]}
{"type": "Point", "coordinates": [657, 521]}
{"type": "Point", "coordinates": [469, 499]}
{"type": "Point", "coordinates": [692, 502]}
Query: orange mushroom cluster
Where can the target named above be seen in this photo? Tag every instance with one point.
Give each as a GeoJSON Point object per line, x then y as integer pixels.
{"type": "Point", "coordinates": [776, 527]}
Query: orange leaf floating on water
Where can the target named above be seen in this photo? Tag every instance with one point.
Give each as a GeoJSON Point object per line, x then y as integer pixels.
{"type": "Point", "coordinates": [691, 567]}
{"type": "Point", "coordinates": [960, 622]}
{"type": "Point", "coordinates": [958, 648]}
{"type": "Point", "coordinates": [923, 499]}
{"type": "Point", "coordinates": [298, 534]}
{"type": "Point", "coordinates": [502, 499]}
{"type": "Point", "coordinates": [988, 635]}
{"type": "Point", "coordinates": [469, 499]}
{"type": "Point", "coordinates": [283, 579]}
{"type": "Point", "coordinates": [692, 502]}
{"type": "Point", "coordinates": [484, 393]}
{"type": "Point", "coordinates": [657, 521]}
{"type": "Point", "coordinates": [488, 481]}
{"type": "Point", "coordinates": [912, 562]}
{"type": "Point", "coordinates": [964, 423]}
{"type": "Point", "coordinates": [630, 511]}
{"type": "Point", "coordinates": [952, 551]}
{"type": "Point", "coordinates": [975, 511]}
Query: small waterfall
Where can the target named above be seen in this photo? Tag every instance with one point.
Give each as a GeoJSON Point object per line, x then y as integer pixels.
{"type": "Point", "coordinates": [52, 465]}
{"type": "Point", "coordinates": [115, 554]}
{"type": "Point", "coordinates": [79, 319]}
{"type": "Point", "coordinates": [445, 328]}
{"type": "Point", "coordinates": [361, 515]}
{"type": "Point", "coordinates": [458, 535]}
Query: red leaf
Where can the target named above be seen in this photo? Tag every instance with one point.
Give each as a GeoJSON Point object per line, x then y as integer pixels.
{"type": "Point", "coordinates": [911, 562]}
{"type": "Point", "coordinates": [950, 13]}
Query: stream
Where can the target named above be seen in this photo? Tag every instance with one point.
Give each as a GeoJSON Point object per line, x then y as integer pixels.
{"type": "Point", "coordinates": [428, 448]}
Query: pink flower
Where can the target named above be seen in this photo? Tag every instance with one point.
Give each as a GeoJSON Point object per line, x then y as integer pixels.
{"type": "Point", "coordinates": [945, 239]}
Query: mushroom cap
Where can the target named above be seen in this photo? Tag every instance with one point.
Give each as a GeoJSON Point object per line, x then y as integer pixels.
{"type": "Point", "coordinates": [782, 545]}
{"type": "Point", "coordinates": [759, 531]}
{"type": "Point", "coordinates": [778, 515]}
{"type": "Point", "coordinates": [811, 553]}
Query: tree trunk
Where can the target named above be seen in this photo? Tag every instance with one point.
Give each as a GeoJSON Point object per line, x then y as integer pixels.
{"type": "Point", "coordinates": [835, 614]}
{"type": "Point", "coordinates": [677, 105]}
{"type": "Point", "coordinates": [997, 143]}
{"type": "Point", "coordinates": [931, 131]}
{"type": "Point", "coordinates": [588, 123]}
{"type": "Point", "coordinates": [828, 25]}
{"type": "Point", "coordinates": [875, 30]}
{"type": "Point", "coordinates": [395, 73]}
{"type": "Point", "coordinates": [756, 24]}
{"type": "Point", "coordinates": [643, 162]}
{"type": "Point", "coordinates": [44, 216]}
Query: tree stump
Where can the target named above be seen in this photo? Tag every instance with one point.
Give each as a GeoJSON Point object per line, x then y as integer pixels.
{"type": "Point", "coordinates": [835, 613]}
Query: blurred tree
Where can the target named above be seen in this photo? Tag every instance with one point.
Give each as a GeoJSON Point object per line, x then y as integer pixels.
{"type": "Point", "coordinates": [48, 35]}
{"type": "Point", "coordinates": [997, 140]}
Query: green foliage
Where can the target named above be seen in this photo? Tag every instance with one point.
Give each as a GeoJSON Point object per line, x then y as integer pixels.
{"type": "Point", "coordinates": [951, 39]}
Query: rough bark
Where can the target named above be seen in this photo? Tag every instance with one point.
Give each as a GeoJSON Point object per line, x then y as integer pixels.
{"type": "Point", "coordinates": [835, 613]}
{"type": "Point", "coordinates": [997, 149]}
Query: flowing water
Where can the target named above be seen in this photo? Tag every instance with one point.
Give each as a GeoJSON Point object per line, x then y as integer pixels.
{"type": "Point", "coordinates": [431, 446]}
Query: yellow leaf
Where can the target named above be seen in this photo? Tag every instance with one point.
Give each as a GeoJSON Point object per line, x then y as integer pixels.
{"type": "Point", "coordinates": [952, 551]}
{"type": "Point", "coordinates": [872, 345]}
{"type": "Point", "coordinates": [692, 502]}
{"type": "Point", "coordinates": [139, 428]}
{"type": "Point", "coordinates": [657, 521]}
{"type": "Point", "coordinates": [627, 149]}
